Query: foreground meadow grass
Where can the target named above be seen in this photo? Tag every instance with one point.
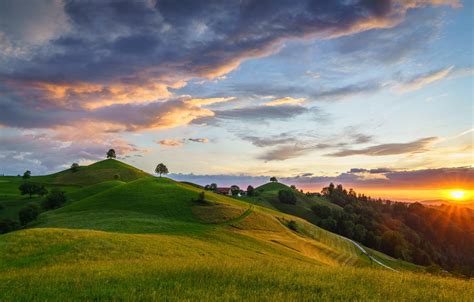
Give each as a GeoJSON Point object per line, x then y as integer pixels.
{"type": "Point", "coordinates": [70, 265]}
{"type": "Point", "coordinates": [224, 280]}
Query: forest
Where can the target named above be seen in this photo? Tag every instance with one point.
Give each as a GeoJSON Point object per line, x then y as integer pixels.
{"type": "Point", "coordinates": [441, 236]}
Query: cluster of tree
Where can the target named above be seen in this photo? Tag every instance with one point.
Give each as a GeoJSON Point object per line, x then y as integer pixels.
{"type": "Point", "coordinates": [29, 188]}
{"type": "Point", "coordinates": [30, 212]}
{"type": "Point", "coordinates": [423, 235]}
{"type": "Point", "coordinates": [287, 196]}
{"type": "Point", "coordinates": [235, 190]}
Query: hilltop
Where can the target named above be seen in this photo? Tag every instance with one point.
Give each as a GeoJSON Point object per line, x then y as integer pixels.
{"type": "Point", "coordinates": [142, 237]}
{"type": "Point", "coordinates": [109, 169]}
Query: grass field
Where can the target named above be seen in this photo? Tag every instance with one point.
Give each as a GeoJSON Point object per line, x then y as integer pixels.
{"type": "Point", "coordinates": [146, 238]}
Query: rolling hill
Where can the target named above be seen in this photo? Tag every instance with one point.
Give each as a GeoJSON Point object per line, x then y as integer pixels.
{"type": "Point", "coordinates": [141, 237]}
{"type": "Point", "coordinates": [267, 196]}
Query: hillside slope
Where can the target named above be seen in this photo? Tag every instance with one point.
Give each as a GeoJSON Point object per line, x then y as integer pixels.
{"type": "Point", "coordinates": [105, 170]}
{"type": "Point", "coordinates": [267, 196]}
{"type": "Point", "coordinates": [149, 238]}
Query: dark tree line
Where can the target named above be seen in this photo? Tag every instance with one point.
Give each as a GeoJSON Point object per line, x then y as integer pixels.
{"type": "Point", "coordinates": [423, 235]}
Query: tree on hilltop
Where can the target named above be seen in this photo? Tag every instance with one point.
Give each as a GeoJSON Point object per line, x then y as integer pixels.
{"type": "Point", "coordinates": [273, 179]}
{"type": "Point", "coordinates": [27, 174]}
{"type": "Point", "coordinates": [161, 169]}
{"type": "Point", "coordinates": [74, 167]}
{"type": "Point", "coordinates": [111, 154]}
{"type": "Point", "coordinates": [250, 191]}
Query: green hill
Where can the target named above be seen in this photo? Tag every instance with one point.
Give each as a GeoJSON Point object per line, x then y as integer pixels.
{"type": "Point", "coordinates": [105, 170]}
{"type": "Point", "coordinates": [149, 239]}
{"type": "Point", "coordinates": [267, 196]}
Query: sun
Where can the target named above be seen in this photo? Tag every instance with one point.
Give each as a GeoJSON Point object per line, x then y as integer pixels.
{"type": "Point", "coordinates": [457, 194]}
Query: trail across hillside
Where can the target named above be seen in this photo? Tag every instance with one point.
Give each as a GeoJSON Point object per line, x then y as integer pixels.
{"type": "Point", "coordinates": [367, 254]}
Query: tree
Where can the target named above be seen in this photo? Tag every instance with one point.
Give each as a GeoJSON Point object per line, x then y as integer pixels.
{"type": "Point", "coordinates": [359, 232]}
{"type": "Point", "coordinates": [321, 211]}
{"type": "Point", "coordinates": [293, 187]}
{"type": "Point", "coordinates": [273, 179]}
{"type": "Point", "coordinates": [111, 153]}
{"type": "Point", "coordinates": [54, 200]}
{"type": "Point", "coordinates": [41, 191]}
{"type": "Point", "coordinates": [27, 174]}
{"type": "Point", "coordinates": [7, 225]}
{"type": "Point", "coordinates": [392, 243]}
{"type": "Point", "coordinates": [161, 169]}
{"type": "Point", "coordinates": [235, 190]}
{"type": "Point", "coordinates": [213, 187]}
{"type": "Point", "coordinates": [329, 224]}
{"type": "Point", "coordinates": [28, 188]}
{"type": "Point", "coordinates": [250, 191]}
{"type": "Point", "coordinates": [28, 214]}
{"type": "Point", "coordinates": [286, 196]}
{"type": "Point", "coordinates": [74, 167]}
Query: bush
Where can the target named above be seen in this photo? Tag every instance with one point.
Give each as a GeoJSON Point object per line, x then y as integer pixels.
{"type": "Point", "coordinates": [286, 196]}
{"type": "Point", "coordinates": [321, 211]}
{"type": "Point", "coordinates": [201, 199]}
{"type": "Point", "coordinates": [328, 224]}
{"type": "Point", "coordinates": [7, 225]}
{"type": "Point", "coordinates": [28, 214]}
{"type": "Point", "coordinates": [292, 225]}
{"type": "Point", "coordinates": [116, 177]}
{"type": "Point", "coordinates": [54, 200]}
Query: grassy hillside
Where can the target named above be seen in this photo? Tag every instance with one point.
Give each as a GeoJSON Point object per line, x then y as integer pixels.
{"type": "Point", "coordinates": [105, 170]}
{"type": "Point", "coordinates": [88, 180]}
{"type": "Point", "coordinates": [267, 196]}
{"type": "Point", "coordinates": [148, 239]}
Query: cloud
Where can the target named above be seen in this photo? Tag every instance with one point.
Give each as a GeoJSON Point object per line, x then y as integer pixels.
{"type": "Point", "coordinates": [256, 113]}
{"type": "Point", "coordinates": [286, 101]}
{"type": "Point", "coordinates": [417, 146]}
{"type": "Point", "coordinates": [22, 151]}
{"type": "Point", "coordinates": [269, 141]}
{"type": "Point", "coordinates": [422, 80]}
{"type": "Point", "coordinates": [199, 140]}
{"type": "Point", "coordinates": [285, 152]}
{"type": "Point", "coordinates": [440, 178]}
{"type": "Point", "coordinates": [97, 54]}
{"type": "Point", "coordinates": [170, 142]}
{"type": "Point", "coordinates": [124, 117]}
{"type": "Point", "coordinates": [391, 45]}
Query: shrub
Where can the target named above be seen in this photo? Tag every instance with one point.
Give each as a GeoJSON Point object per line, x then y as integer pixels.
{"type": "Point", "coordinates": [292, 225]}
{"type": "Point", "coordinates": [201, 198]}
{"type": "Point", "coordinates": [54, 200]}
{"type": "Point", "coordinates": [321, 211]}
{"type": "Point", "coordinates": [7, 225]}
{"type": "Point", "coordinates": [286, 196]}
{"type": "Point", "coordinates": [329, 224]}
{"type": "Point", "coordinates": [116, 177]}
{"type": "Point", "coordinates": [28, 214]}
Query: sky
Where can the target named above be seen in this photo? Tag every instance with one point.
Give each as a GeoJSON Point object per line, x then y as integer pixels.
{"type": "Point", "coordinates": [376, 95]}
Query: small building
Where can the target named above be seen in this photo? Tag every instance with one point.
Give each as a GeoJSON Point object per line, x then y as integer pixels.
{"type": "Point", "coordinates": [224, 191]}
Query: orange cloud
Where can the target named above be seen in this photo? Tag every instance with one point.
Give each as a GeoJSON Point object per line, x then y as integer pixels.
{"type": "Point", "coordinates": [286, 101]}
{"type": "Point", "coordinates": [169, 142]}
